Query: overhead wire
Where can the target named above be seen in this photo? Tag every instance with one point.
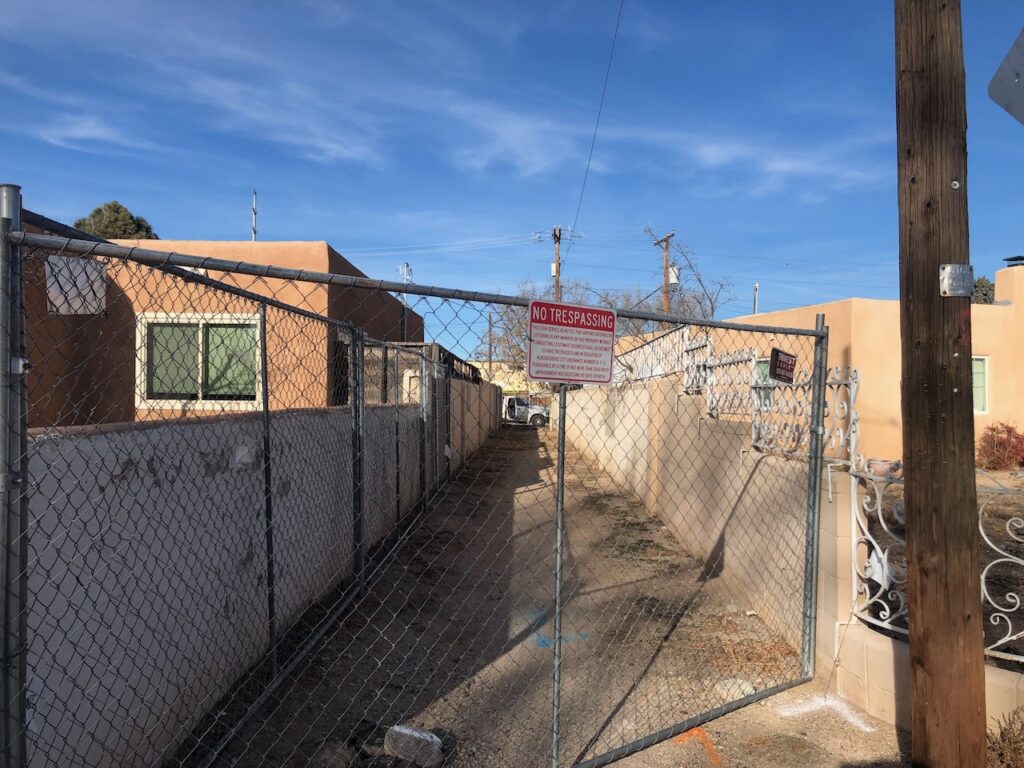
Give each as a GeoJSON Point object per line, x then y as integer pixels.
{"type": "Point", "coordinates": [597, 124]}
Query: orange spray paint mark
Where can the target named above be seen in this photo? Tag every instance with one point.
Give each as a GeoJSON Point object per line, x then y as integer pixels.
{"type": "Point", "coordinates": [705, 740]}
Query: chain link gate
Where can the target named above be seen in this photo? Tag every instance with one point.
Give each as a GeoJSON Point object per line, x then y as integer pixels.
{"type": "Point", "coordinates": [244, 529]}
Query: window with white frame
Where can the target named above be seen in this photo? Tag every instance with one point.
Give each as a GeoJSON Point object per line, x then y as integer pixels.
{"type": "Point", "coordinates": [210, 361]}
{"type": "Point", "coordinates": [979, 380]}
{"type": "Point", "coordinates": [763, 385]}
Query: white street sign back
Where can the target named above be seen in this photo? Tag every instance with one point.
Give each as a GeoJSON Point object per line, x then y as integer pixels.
{"type": "Point", "coordinates": [570, 344]}
{"type": "Point", "coordinates": [1007, 86]}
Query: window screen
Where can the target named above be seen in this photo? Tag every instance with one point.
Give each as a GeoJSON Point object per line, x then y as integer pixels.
{"type": "Point", "coordinates": [979, 374]}
{"type": "Point", "coordinates": [172, 361]}
{"type": "Point", "coordinates": [763, 385]}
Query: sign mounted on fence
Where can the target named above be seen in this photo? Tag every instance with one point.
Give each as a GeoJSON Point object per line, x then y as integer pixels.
{"type": "Point", "coordinates": [781, 366]}
{"type": "Point", "coordinates": [570, 344]}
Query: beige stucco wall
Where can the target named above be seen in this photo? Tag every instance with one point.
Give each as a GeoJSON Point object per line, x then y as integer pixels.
{"type": "Point", "coordinates": [743, 512]}
{"type": "Point", "coordinates": [865, 334]}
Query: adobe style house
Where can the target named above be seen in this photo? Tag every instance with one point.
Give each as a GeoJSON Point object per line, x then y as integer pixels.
{"type": "Point", "coordinates": [865, 334]}
{"type": "Point", "coordinates": [113, 341]}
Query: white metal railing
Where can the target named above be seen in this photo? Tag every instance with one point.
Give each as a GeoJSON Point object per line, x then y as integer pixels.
{"type": "Point", "coordinates": [880, 556]}
{"type": "Point", "coordinates": [734, 387]}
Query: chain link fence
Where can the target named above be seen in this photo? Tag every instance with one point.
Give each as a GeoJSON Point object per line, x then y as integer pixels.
{"type": "Point", "coordinates": [260, 517]}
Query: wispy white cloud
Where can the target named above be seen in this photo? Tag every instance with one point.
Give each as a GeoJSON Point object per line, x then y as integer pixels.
{"type": "Point", "coordinates": [89, 132]}
{"type": "Point", "coordinates": [757, 165]}
{"type": "Point", "coordinates": [530, 144]}
{"type": "Point", "coordinates": [284, 112]}
{"type": "Point", "coordinates": [20, 85]}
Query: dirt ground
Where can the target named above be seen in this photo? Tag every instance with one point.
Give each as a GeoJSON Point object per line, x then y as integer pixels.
{"type": "Point", "coordinates": [455, 635]}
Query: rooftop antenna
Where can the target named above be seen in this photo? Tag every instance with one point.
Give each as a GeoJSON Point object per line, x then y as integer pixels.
{"type": "Point", "coordinates": [254, 215]}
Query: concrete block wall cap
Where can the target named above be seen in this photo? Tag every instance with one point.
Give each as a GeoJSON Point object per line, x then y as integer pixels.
{"type": "Point", "coordinates": [413, 745]}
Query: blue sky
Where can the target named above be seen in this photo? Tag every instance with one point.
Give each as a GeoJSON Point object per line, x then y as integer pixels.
{"type": "Point", "coordinates": [446, 133]}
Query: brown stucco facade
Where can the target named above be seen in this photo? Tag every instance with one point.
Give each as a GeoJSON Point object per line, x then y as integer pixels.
{"type": "Point", "coordinates": [86, 367]}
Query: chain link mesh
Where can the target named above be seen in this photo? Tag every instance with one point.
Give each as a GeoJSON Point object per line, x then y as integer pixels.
{"type": "Point", "coordinates": [262, 533]}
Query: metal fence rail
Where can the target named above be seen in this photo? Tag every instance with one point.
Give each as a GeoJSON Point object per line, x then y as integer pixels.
{"type": "Point", "coordinates": [228, 498]}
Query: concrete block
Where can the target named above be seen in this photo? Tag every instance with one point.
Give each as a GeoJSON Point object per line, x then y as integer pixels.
{"type": "Point", "coordinates": [1003, 690]}
{"type": "Point", "coordinates": [889, 707]}
{"type": "Point", "coordinates": [852, 655]}
{"type": "Point", "coordinates": [888, 664]}
{"type": "Point", "coordinates": [413, 745]}
{"type": "Point", "coordinates": [852, 688]}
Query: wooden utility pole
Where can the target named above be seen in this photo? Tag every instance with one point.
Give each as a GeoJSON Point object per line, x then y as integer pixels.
{"type": "Point", "coordinates": [943, 580]}
{"type": "Point", "coordinates": [666, 299]}
{"type": "Point", "coordinates": [666, 296]}
{"type": "Point", "coordinates": [556, 267]}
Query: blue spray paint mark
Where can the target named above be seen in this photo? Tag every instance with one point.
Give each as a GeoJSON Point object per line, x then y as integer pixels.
{"type": "Point", "coordinates": [545, 640]}
{"type": "Point", "coordinates": [537, 619]}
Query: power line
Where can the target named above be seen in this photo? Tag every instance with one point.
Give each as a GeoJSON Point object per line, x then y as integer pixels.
{"type": "Point", "coordinates": [597, 123]}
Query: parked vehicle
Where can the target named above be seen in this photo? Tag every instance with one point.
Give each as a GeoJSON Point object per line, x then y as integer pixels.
{"type": "Point", "coordinates": [518, 410]}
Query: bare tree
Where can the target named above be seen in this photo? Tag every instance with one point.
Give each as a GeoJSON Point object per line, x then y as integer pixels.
{"type": "Point", "coordinates": [681, 303]}
{"type": "Point", "coordinates": [711, 292]}
{"type": "Point", "coordinates": [511, 325]}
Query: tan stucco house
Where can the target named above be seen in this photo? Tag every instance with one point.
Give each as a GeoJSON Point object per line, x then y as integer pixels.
{"type": "Point", "coordinates": [865, 334]}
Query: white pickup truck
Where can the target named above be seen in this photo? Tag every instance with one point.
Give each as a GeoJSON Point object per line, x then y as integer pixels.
{"type": "Point", "coordinates": [518, 410]}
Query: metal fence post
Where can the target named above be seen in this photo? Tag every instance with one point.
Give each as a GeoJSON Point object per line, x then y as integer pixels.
{"type": "Point", "coordinates": [814, 464]}
{"type": "Point", "coordinates": [398, 440]}
{"type": "Point", "coordinates": [448, 422]}
{"type": "Point", "coordinates": [424, 491]}
{"type": "Point", "coordinates": [13, 466]}
{"type": "Point", "coordinates": [556, 693]}
{"type": "Point", "coordinates": [268, 492]}
{"type": "Point", "coordinates": [357, 388]}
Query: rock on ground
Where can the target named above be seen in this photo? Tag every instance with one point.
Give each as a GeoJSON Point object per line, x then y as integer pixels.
{"type": "Point", "coordinates": [413, 745]}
